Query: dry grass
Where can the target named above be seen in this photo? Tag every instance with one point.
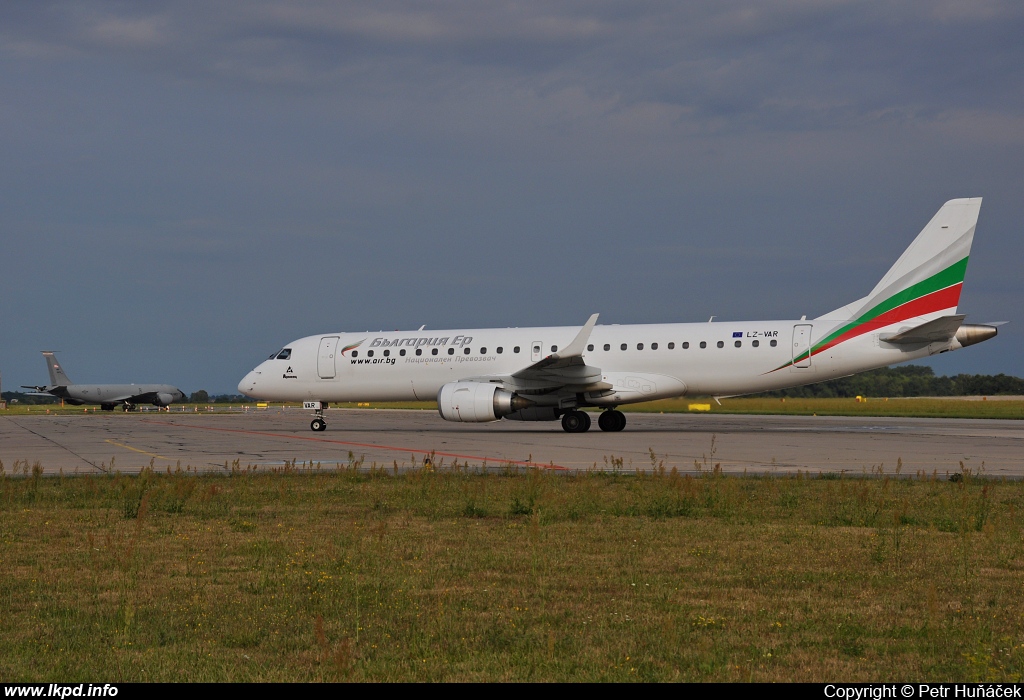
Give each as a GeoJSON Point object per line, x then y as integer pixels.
{"type": "Point", "coordinates": [451, 576]}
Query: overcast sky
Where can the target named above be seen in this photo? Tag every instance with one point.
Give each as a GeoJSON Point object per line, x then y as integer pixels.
{"type": "Point", "coordinates": [187, 186]}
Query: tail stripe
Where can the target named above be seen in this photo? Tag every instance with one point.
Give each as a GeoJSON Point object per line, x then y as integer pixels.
{"type": "Point", "coordinates": [938, 292]}
{"type": "Point", "coordinates": [952, 276]}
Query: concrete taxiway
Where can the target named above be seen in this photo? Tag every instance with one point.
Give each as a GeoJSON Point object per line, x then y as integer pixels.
{"type": "Point", "coordinates": [96, 443]}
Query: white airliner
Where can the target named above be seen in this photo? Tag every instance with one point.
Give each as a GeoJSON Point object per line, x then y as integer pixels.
{"type": "Point", "coordinates": [549, 373]}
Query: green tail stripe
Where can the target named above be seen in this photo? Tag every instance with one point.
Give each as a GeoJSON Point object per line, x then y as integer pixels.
{"type": "Point", "coordinates": [954, 274]}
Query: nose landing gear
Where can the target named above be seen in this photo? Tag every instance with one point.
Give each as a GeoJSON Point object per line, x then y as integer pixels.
{"type": "Point", "coordinates": [318, 424]}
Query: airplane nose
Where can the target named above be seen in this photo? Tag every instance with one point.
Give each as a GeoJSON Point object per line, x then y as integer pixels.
{"type": "Point", "coordinates": [248, 383]}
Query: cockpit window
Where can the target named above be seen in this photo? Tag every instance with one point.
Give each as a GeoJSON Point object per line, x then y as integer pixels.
{"type": "Point", "coordinates": [284, 354]}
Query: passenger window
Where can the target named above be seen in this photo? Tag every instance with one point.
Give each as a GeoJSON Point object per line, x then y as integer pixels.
{"type": "Point", "coordinates": [622, 347]}
{"type": "Point", "coordinates": [369, 353]}
{"type": "Point", "coordinates": [433, 351]}
{"type": "Point", "coordinates": [607, 346]}
{"type": "Point", "coordinates": [671, 346]}
{"type": "Point", "coordinates": [590, 348]}
{"type": "Point", "coordinates": [387, 353]}
{"type": "Point", "coordinates": [755, 343]}
{"type": "Point", "coordinates": [483, 351]}
{"type": "Point", "coordinates": [499, 349]}
{"type": "Point", "coordinates": [721, 343]}
{"type": "Point", "coordinates": [515, 349]}
{"type": "Point", "coordinates": [355, 353]}
{"type": "Point", "coordinates": [402, 352]}
{"type": "Point", "coordinates": [703, 344]}
{"type": "Point", "coordinates": [738, 343]}
{"type": "Point", "coordinates": [420, 352]}
{"type": "Point", "coordinates": [451, 351]}
{"type": "Point", "coordinates": [466, 351]}
{"type": "Point", "coordinates": [686, 346]}
{"type": "Point", "coordinates": [774, 343]}
{"type": "Point", "coordinates": [554, 348]}
{"type": "Point", "coordinates": [654, 346]}
{"type": "Point", "coordinates": [639, 346]}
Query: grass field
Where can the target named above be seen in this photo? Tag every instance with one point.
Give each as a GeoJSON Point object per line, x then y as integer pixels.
{"type": "Point", "coordinates": [912, 407]}
{"type": "Point", "coordinates": [452, 576]}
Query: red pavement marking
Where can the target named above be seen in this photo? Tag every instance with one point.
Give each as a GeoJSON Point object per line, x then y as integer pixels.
{"type": "Point", "coordinates": [310, 438]}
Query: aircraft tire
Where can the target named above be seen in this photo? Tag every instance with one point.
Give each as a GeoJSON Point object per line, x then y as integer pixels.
{"type": "Point", "coordinates": [575, 422]}
{"type": "Point", "coordinates": [612, 421]}
{"type": "Point", "coordinates": [318, 425]}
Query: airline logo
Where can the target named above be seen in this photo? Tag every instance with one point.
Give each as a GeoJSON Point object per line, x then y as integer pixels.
{"type": "Point", "coordinates": [353, 346]}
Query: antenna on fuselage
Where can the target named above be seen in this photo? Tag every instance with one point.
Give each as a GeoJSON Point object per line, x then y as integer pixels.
{"type": "Point", "coordinates": [711, 319]}
{"type": "Point", "coordinates": [422, 327]}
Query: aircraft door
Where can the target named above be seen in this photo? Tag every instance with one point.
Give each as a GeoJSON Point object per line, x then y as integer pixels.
{"type": "Point", "coordinates": [802, 345]}
{"type": "Point", "coordinates": [325, 360]}
{"type": "Point", "coordinates": [536, 351]}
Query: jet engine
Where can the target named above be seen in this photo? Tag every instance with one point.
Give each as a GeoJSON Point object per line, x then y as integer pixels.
{"type": "Point", "coordinates": [477, 402]}
{"type": "Point", "coordinates": [163, 399]}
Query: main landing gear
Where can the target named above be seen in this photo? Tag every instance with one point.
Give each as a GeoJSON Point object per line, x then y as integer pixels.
{"type": "Point", "coordinates": [319, 424]}
{"type": "Point", "coordinates": [576, 422]}
{"type": "Point", "coordinates": [579, 421]}
{"type": "Point", "coordinates": [612, 421]}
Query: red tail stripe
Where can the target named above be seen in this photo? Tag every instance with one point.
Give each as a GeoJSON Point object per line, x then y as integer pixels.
{"type": "Point", "coordinates": [936, 301]}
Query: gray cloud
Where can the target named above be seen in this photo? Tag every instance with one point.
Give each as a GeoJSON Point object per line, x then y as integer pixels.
{"type": "Point", "coordinates": [226, 176]}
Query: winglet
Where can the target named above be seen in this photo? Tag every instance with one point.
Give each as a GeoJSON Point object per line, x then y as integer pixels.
{"type": "Point", "coordinates": [579, 344]}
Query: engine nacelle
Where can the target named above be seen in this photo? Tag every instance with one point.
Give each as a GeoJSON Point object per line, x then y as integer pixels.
{"type": "Point", "coordinates": [477, 402]}
{"type": "Point", "coordinates": [163, 399]}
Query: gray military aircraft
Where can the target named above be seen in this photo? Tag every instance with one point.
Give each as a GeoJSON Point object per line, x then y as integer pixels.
{"type": "Point", "coordinates": [108, 396]}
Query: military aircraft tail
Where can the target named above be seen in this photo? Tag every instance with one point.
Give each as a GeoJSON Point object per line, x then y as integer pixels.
{"type": "Point", "coordinates": [57, 376]}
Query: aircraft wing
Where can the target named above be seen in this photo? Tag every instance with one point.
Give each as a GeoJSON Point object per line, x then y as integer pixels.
{"type": "Point", "coordinates": [941, 329]}
{"type": "Point", "coordinates": [57, 391]}
{"type": "Point", "coordinates": [42, 390]}
{"type": "Point", "coordinates": [565, 369]}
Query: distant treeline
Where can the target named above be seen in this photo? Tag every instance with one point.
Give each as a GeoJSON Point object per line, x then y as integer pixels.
{"type": "Point", "coordinates": [908, 380]}
{"type": "Point", "coordinates": [200, 396]}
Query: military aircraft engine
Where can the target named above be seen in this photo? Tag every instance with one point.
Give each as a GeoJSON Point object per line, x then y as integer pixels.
{"type": "Point", "coordinates": [163, 399]}
{"type": "Point", "coordinates": [477, 402]}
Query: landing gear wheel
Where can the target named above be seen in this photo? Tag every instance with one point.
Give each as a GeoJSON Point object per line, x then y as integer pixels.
{"type": "Point", "coordinates": [612, 421]}
{"type": "Point", "coordinates": [318, 425]}
{"type": "Point", "coordinates": [575, 422]}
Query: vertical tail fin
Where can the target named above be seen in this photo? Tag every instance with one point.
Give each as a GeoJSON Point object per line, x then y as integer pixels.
{"type": "Point", "coordinates": [926, 280]}
{"type": "Point", "coordinates": [57, 376]}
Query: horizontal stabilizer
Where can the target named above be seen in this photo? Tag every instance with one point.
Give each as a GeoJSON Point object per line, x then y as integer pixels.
{"type": "Point", "coordinates": [937, 331]}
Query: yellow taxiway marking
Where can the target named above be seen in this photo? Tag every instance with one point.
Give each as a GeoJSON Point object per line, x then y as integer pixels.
{"type": "Point", "coordinates": [135, 449]}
